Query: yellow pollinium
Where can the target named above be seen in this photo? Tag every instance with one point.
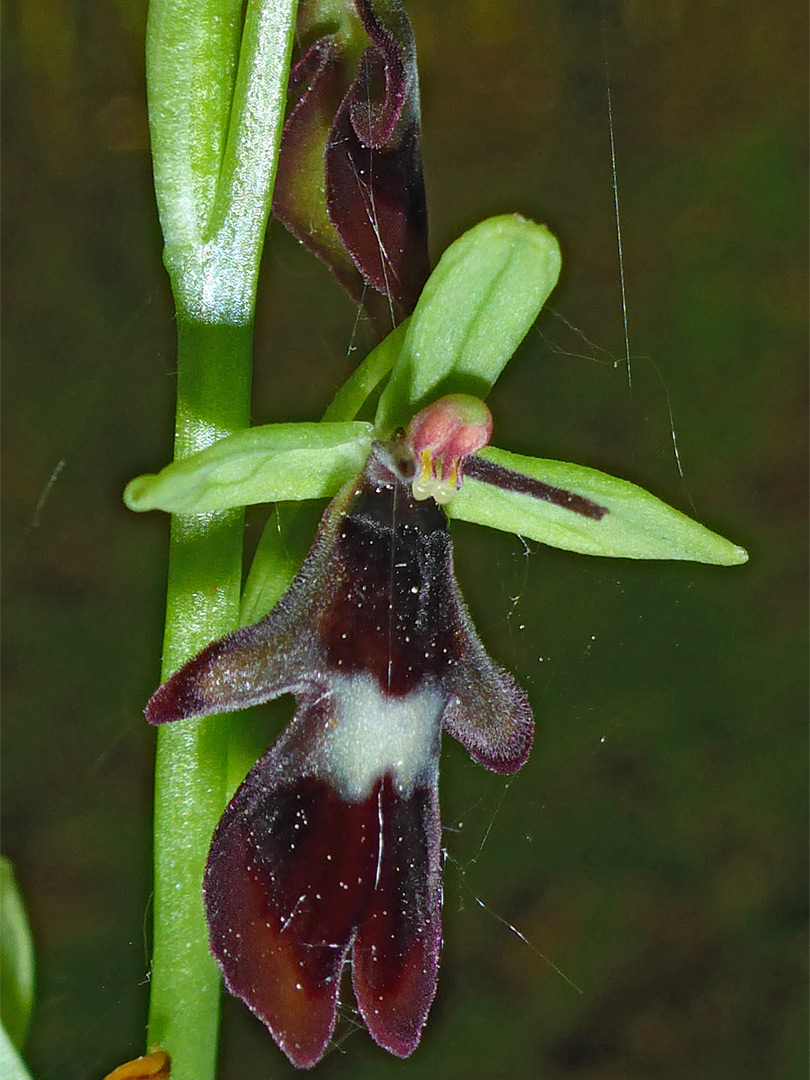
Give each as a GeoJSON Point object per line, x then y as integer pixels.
{"type": "Point", "coordinates": [431, 482]}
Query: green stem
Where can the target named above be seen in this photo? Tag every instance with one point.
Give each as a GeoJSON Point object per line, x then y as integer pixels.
{"type": "Point", "coordinates": [205, 566]}
{"type": "Point", "coordinates": [217, 81]}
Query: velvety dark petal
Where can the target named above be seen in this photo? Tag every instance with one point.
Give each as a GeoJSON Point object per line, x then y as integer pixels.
{"type": "Point", "coordinates": [387, 609]}
{"type": "Point", "coordinates": [260, 662]}
{"type": "Point", "coordinates": [487, 711]}
{"type": "Point", "coordinates": [374, 183]}
{"type": "Point", "coordinates": [395, 956]}
{"type": "Point", "coordinates": [400, 549]}
{"type": "Point", "coordinates": [246, 668]}
{"type": "Point", "coordinates": [376, 596]}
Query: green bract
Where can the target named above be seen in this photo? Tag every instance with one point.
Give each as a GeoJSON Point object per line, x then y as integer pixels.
{"type": "Point", "coordinates": [217, 77]}
{"type": "Point", "coordinates": [475, 309]}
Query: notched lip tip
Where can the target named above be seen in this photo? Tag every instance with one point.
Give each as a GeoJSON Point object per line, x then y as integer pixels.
{"type": "Point", "coordinates": [399, 1046]}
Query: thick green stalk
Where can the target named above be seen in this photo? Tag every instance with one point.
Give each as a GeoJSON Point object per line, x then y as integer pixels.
{"type": "Point", "coordinates": [205, 565]}
{"type": "Point", "coordinates": [217, 79]}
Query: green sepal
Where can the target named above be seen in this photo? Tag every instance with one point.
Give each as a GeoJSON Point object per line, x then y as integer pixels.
{"type": "Point", "coordinates": [16, 959]}
{"type": "Point", "coordinates": [263, 464]}
{"type": "Point", "coordinates": [637, 525]}
{"type": "Point", "coordinates": [475, 309]}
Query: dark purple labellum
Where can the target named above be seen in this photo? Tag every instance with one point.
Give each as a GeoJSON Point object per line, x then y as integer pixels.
{"type": "Point", "coordinates": [298, 876]}
{"type": "Point", "coordinates": [331, 845]}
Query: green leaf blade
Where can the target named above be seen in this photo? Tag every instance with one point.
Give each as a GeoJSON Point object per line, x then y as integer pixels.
{"type": "Point", "coordinates": [262, 464]}
{"type": "Point", "coordinates": [16, 959]}
{"type": "Point", "coordinates": [637, 525]}
{"type": "Point", "coordinates": [12, 1066]}
{"type": "Point", "coordinates": [474, 311]}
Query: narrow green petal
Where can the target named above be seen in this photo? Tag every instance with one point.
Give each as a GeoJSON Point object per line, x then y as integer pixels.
{"type": "Point", "coordinates": [262, 464]}
{"type": "Point", "coordinates": [366, 377]}
{"type": "Point", "coordinates": [635, 524]}
{"type": "Point", "coordinates": [474, 311]}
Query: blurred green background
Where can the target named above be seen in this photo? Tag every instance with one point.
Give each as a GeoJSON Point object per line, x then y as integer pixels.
{"type": "Point", "coordinates": [654, 848]}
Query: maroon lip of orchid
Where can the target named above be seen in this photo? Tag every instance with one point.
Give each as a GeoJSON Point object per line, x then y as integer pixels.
{"type": "Point", "coordinates": [350, 184]}
{"type": "Point", "coordinates": [331, 846]}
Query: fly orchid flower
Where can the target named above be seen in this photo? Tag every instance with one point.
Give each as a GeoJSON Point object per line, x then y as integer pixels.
{"type": "Point", "coordinates": [331, 846]}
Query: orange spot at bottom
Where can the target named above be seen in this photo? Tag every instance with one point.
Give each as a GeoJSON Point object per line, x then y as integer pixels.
{"type": "Point", "coordinates": [155, 1066]}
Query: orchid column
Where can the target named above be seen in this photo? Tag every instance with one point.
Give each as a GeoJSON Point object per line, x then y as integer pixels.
{"type": "Point", "coordinates": [217, 91]}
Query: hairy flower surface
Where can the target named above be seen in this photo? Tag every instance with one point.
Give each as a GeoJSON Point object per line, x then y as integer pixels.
{"type": "Point", "coordinates": [330, 848]}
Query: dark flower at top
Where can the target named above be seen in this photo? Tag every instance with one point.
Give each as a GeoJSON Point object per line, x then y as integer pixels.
{"type": "Point", "coordinates": [331, 845]}
{"type": "Point", "coordinates": [349, 182]}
